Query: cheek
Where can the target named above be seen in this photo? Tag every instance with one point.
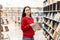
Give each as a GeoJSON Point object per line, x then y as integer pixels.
{"type": "Point", "coordinates": [26, 12]}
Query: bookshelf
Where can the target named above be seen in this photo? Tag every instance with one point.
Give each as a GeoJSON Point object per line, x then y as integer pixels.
{"type": "Point", "coordinates": [14, 13]}
{"type": "Point", "coordinates": [51, 19]}
{"type": "Point", "coordinates": [0, 22]}
{"type": "Point", "coordinates": [9, 16]}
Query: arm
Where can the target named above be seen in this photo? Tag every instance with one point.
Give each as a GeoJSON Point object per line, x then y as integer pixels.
{"type": "Point", "coordinates": [24, 27]}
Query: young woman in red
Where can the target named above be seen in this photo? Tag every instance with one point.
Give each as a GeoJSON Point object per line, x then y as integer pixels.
{"type": "Point", "coordinates": [27, 23]}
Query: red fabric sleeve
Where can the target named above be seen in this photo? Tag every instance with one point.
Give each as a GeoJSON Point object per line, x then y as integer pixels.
{"type": "Point", "coordinates": [33, 20]}
{"type": "Point", "coordinates": [24, 27]}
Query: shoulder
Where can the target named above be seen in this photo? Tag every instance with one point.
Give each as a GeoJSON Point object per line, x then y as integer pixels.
{"type": "Point", "coordinates": [24, 18]}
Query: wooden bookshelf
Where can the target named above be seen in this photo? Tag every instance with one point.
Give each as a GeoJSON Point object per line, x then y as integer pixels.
{"type": "Point", "coordinates": [51, 21]}
{"type": "Point", "coordinates": [1, 28]}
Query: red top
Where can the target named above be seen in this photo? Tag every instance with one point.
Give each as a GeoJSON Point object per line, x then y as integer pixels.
{"type": "Point", "coordinates": [26, 28]}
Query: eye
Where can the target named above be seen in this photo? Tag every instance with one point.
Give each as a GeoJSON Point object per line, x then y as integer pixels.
{"type": "Point", "coordinates": [27, 9]}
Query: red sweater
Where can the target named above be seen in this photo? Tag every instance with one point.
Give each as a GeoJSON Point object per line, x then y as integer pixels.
{"type": "Point", "coordinates": [26, 28]}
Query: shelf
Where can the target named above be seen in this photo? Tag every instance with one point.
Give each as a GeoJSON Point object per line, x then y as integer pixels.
{"type": "Point", "coordinates": [52, 19]}
{"type": "Point", "coordinates": [50, 12]}
{"type": "Point", "coordinates": [57, 32]}
{"type": "Point", "coordinates": [48, 32]}
{"type": "Point", "coordinates": [49, 26]}
{"type": "Point", "coordinates": [52, 7]}
{"type": "Point", "coordinates": [50, 4]}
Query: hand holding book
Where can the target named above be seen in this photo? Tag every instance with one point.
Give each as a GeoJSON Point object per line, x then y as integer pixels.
{"type": "Point", "coordinates": [35, 26]}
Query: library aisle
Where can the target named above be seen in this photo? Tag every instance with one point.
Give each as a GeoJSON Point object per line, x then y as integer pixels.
{"type": "Point", "coordinates": [47, 19]}
{"type": "Point", "coordinates": [16, 34]}
{"type": "Point", "coordinates": [39, 35]}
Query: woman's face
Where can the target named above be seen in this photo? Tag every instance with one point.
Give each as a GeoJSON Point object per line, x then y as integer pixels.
{"type": "Point", "coordinates": [27, 11]}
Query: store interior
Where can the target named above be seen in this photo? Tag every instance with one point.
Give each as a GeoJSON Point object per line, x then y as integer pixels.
{"type": "Point", "coordinates": [42, 10]}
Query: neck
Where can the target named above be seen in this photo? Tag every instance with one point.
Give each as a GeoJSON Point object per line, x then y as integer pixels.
{"type": "Point", "coordinates": [27, 16]}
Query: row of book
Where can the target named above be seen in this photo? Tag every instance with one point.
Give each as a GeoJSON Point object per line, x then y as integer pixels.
{"type": "Point", "coordinates": [52, 15]}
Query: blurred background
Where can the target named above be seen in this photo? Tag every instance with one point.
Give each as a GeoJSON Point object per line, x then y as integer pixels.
{"type": "Point", "coordinates": [45, 10]}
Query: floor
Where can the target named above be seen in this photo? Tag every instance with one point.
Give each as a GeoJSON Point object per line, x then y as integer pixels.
{"type": "Point", "coordinates": [15, 33]}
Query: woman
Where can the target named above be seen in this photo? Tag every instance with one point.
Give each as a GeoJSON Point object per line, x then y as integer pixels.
{"type": "Point", "coordinates": [27, 23]}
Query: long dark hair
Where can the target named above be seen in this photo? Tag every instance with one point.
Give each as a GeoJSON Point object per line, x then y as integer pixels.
{"type": "Point", "coordinates": [24, 14]}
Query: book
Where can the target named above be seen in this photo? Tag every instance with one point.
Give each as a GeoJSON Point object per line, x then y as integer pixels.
{"type": "Point", "coordinates": [36, 27]}
{"type": "Point", "coordinates": [47, 28]}
{"type": "Point", "coordinates": [55, 26]}
{"type": "Point", "coordinates": [1, 29]}
{"type": "Point", "coordinates": [48, 1]}
{"type": "Point", "coordinates": [48, 15]}
{"type": "Point", "coordinates": [58, 28]}
{"type": "Point", "coordinates": [51, 15]}
{"type": "Point", "coordinates": [48, 37]}
{"type": "Point", "coordinates": [48, 22]}
{"type": "Point", "coordinates": [51, 24]}
{"type": "Point", "coordinates": [57, 36]}
{"type": "Point", "coordinates": [51, 1]}
{"type": "Point", "coordinates": [6, 28]}
{"type": "Point", "coordinates": [57, 17]}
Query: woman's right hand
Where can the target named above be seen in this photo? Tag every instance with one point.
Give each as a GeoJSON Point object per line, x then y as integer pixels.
{"type": "Point", "coordinates": [33, 24]}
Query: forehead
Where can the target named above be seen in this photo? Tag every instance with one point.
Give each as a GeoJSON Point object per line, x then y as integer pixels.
{"type": "Point", "coordinates": [27, 9]}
